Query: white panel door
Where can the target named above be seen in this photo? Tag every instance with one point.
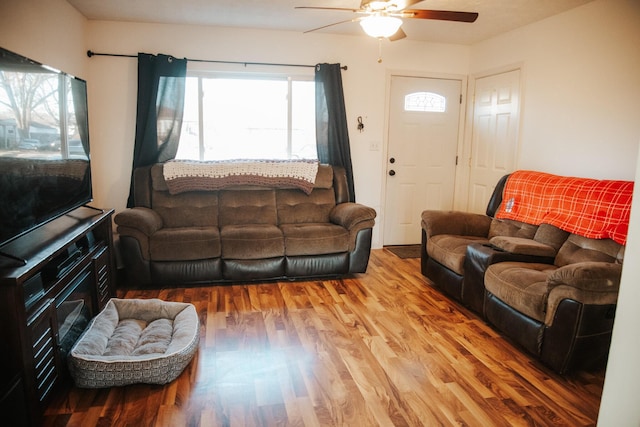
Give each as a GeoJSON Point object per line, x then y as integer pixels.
{"type": "Point", "coordinates": [424, 116]}
{"type": "Point", "coordinates": [494, 138]}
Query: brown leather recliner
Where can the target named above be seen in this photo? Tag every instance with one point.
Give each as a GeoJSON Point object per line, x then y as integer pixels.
{"type": "Point", "coordinates": [562, 312]}
{"type": "Point", "coordinates": [552, 292]}
{"type": "Point", "coordinates": [458, 246]}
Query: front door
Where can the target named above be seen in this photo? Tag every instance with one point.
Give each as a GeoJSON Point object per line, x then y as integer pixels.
{"type": "Point", "coordinates": [424, 116]}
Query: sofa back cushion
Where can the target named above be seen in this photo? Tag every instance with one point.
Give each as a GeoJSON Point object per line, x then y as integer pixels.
{"type": "Point", "coordinates": [238, 207]}
{"type": "Point", "coordinates": [507, 227]}
{"type": "Point", "coordinates": [552, 236]}
{"type": "Point", "coordinates": [186, 210]}
{"type": "Point", "coordinates": [192, 209]}
{"type": "Point", "coordinates": [579, 249]}
{"type": "Point", "coordinates": [296, 207]}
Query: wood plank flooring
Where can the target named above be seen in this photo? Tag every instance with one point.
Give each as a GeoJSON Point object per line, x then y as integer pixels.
{"type": "Point", "coordinates": [380, 349]}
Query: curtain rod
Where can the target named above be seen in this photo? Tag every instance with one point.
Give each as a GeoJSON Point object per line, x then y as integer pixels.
{"type": "Point", "coordinates": [91, 53]}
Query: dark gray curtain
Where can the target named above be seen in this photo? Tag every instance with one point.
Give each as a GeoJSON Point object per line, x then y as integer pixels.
{"type": "Point", "coordinates": [161, 87]}
{"type": "Point", "coordinates": [332, 133]}
{"type": "Point", "coordinates": [79, 97]}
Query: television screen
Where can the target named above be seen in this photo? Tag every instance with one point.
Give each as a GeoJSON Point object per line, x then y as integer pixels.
{"type": "Point", "coordinates": [44, 145]}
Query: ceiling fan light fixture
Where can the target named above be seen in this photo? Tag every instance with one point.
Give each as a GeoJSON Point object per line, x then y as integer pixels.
{"type": "Point", "coordinates": [377, 5]}
{"type": "Point", "coordinates": [380, 25]}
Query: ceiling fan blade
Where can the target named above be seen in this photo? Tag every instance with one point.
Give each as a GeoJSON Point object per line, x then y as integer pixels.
{"type": "Point", "coordinates": [442, 15]}
{"type": "Point", "coordinates": [399, 35]}
{"type": "Point", "coordinates": [346, 9]}
{"type": "Point", "coordinates": [331, 25]}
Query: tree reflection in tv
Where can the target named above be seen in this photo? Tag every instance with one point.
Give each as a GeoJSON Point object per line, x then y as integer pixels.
{"type": "Point", "coordinates": [44, 145]}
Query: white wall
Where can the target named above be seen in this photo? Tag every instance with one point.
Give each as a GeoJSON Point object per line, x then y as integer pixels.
{"type": "Point", "coordinates": [581, 88]}
{"type": "Point", "coordinates": [619, 406]}
{"type": "Point", "coordinates": [51, 32]}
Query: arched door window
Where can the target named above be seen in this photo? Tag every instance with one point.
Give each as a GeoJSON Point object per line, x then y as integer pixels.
{"type": "Point", "coordinates": [425, 101]}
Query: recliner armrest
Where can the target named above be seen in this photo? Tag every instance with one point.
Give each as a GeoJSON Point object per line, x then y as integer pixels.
{"type": "Point", "coordinates": [455, 223]}
{"type": "Point", "coordinates": [588, 276]}
{"type": "Point", "coordinates": [353, 215]}
{"type": "Point", "coordinates": [589, 283]}
{"type": "Point", "coordinates": [143, 219]}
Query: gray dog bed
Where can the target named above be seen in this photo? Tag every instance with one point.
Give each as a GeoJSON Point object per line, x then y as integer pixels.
{"type": "Point", "coordinates": [135, 341]}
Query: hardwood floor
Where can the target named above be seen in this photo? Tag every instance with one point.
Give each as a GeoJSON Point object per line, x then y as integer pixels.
{"type": "Point", "coordinates": [381, 349]}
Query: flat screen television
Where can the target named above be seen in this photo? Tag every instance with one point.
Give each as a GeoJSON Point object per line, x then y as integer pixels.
{"type": "Point", "coordinates": [45, 167]}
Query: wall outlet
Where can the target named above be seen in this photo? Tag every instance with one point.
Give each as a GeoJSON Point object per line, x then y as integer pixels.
{"type": "Point", "coordinates": [374, 146]}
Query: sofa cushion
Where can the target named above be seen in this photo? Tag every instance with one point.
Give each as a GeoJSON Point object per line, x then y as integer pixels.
{"type": "Point", "coordinates": [449, 250]}
{"type": "Point", "coordinates": [551, 235]}
{"type": "Point", "coordinates": [294, 206]}
{"type": "Point", "coordinates": [579, 249]}
{"type": "Point", "coordinates": [324, 178]}
{"type": "Point", "coordinates": [185, 244]}
{"type": "Point", "coordinates": [251, 241]}
{"type": "Point", "coordinates": [157, 178]}
{"type": "Point", "coordinates": [187, 210]}
{"type": "Point", "coordinates": [506, 227]}
{"type": "Point", "coordinates": [520, 285]}
{"type": "Point", "coordinates": [238, 207]}
{"type": "Point", "coordinates": [315, 239]}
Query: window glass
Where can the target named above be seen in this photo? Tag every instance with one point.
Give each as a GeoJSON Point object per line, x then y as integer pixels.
{"type": "Point", "coordinates": [303, 116]}
{"type": "Point", "coordinates": [242, 117]}
{"type": "Point", "coordinates": [425, 101]}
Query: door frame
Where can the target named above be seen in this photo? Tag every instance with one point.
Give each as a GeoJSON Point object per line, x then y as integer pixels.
{"type": "Point", "coordinates": [461, 198]}
{"type": "Point", "coordinates": [463, 79]}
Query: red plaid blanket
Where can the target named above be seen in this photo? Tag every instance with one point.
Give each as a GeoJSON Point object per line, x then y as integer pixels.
{"type": "Point", "coordinates": [589, 207]}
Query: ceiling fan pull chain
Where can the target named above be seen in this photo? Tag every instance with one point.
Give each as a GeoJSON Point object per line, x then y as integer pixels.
{"type": "Point", "coordinates": [379, 50]}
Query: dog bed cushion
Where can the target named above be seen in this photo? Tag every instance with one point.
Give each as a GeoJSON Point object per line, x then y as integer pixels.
{"type": "Point", "coordinates": [135, 341]}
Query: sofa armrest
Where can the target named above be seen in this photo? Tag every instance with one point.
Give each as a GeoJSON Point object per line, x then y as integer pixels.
{"type": "Point", "coordinates": [588, 276]}
{"type": "Point", "coordinates": [589, 283]}
{"type": "Point", "coordinates": [143, 219]}
{"type": "Point", "coordinates": [455, 222]}
{"type": "Point", "coordinates": [353, 215]}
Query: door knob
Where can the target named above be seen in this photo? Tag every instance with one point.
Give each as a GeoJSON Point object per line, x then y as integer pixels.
{"type": "Point", "coordinates": [392, 172]}
{"type": "Point", "coordinates": [392, 160]}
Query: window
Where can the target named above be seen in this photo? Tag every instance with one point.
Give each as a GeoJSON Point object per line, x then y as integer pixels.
{"type": "Point", "coordinates": [425, 101]}
{"type": "Point", "coordinates": [248, 117]}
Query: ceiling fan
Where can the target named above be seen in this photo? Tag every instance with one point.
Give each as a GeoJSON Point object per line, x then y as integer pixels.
{"type": "Point", "coordinates": [382, 19]}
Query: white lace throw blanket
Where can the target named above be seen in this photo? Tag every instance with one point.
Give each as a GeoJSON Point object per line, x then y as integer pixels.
{"type": "Point", "coordinates": [190, 175]}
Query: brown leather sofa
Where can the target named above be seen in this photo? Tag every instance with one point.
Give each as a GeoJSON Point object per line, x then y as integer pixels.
{"type": "Point", "coordinates": [242, 233]}
{"type": "Point", "coordinates": [552, 292]}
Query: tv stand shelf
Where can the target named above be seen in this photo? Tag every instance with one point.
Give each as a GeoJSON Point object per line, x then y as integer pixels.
{"type": "Point", "coordinates": [45, 304]}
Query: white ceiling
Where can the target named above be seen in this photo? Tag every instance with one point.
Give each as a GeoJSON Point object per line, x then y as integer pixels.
{"type": "Point", "coordinates": [495, 16]}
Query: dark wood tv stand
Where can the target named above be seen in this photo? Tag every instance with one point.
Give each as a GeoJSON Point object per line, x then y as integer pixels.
{"type": "Point", "coordinates": [68, 277]}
